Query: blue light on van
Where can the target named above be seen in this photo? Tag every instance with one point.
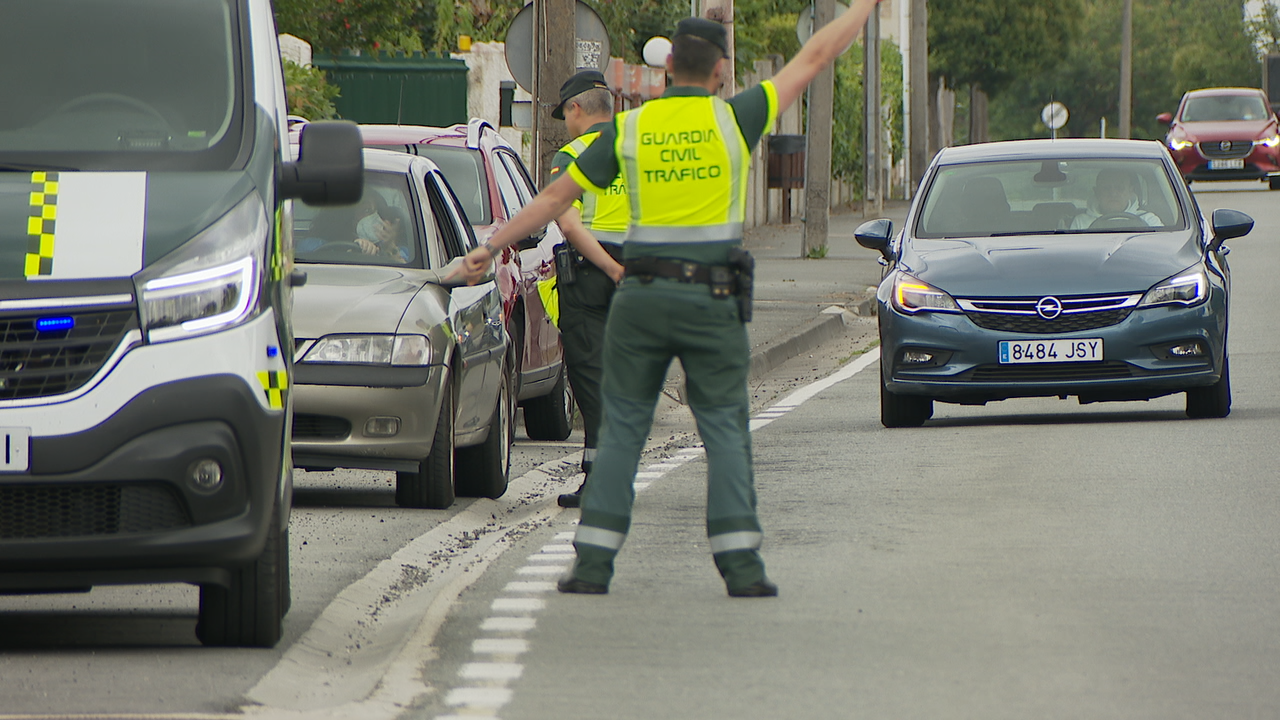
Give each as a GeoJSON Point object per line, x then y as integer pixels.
{"type": "Point", "coordinates": [55, 324]}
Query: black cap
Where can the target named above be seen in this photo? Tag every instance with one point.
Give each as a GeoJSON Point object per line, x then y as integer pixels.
{"type": "Point", "coordinates": [709, 30]}
{"type": "Point", "coordinates": [575, 86]}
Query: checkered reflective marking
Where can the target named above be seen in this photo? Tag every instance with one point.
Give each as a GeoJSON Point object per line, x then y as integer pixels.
{"type": "Point", "coordinates": [275, 383]}
{"type": "Point", "coordinates": [40, 224]}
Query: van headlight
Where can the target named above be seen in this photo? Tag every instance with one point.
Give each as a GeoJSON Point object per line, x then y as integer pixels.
{"type": "Point", "coordinates": [1187, 288]}
{"type": "Point", "coordinates": [394, 350]}
{"type": "Point", "coordinates": [210, 283]}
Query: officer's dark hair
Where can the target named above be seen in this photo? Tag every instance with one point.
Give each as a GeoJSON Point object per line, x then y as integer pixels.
{"type": "Point", "coordinates": [597, 101]}
{"type": "Point", "coordinates": [693, 58]}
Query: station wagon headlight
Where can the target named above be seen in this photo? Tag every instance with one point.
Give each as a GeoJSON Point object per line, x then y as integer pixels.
{"type": "Point", "coordinates": [394, 350]}
{"type": "Point", "coordinates": [1179, 144]}
{"type": "Point", "coordinates": [211, 282]}
{"type": "Point", "coordinates": [911, 295]}
{"type": "Point", "coordinates": [1188, 288]}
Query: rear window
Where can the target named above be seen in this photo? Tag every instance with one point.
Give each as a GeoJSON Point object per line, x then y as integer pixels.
{"type": "Point", "coordinates": [464, 169]}
{"type": "Point", "coordinates": [378, 230]}
{"type": "Point", "coordinates": [1038, 197]}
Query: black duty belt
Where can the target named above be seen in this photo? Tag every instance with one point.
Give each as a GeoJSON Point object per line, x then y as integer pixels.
{"type": "Point", "coordinates": [647, 268]}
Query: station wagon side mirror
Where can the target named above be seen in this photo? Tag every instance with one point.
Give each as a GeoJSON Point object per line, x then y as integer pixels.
{"type": "Point", "coordinates": [874, 235]}
{"type": "Point", "coordinates": [1165, 118]}
{"type": "Point", "coordinates": [1228, 224]}
{"type": "Point", "coordinates": [330, 165]}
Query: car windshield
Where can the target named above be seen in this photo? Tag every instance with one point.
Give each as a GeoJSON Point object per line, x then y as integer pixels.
{"type": "Point", "coordinates": [464, 169]}
{"type": "Point", "coordinates": [1219, 108]}
{"type": "Point", "coordinates": [127, 84]}
{"type": "Point", "coordinates": [1034, 197]}
{"type": "Point", "coordinates": [378, 230]}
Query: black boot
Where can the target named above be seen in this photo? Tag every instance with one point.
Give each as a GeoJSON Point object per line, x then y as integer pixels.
{"type": "Point", "coordinates": [573, 499]}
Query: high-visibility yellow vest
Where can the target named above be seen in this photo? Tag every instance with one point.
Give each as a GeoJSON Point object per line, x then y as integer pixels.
{"type": "Point", "coordinates": [606, 215]}
{"type": "Point", "coordinates": [685, 164]}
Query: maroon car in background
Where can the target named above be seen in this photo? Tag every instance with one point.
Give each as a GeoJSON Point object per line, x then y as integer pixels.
{"type": "Point", "coordinates": [1225, 134]}
{"type": "Point", "coordinates": [492, 183]}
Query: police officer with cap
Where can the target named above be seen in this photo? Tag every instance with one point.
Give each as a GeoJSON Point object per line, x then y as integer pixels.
{"type": "Point", "coordinates": [588, 266]}
{"type": "Point", "coordinates": [684, 158]}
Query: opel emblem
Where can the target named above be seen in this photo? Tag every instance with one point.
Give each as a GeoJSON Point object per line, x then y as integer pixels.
{"type": "Point", "coordinates": [1225, 145]}
{"type": "Point", "coordinates": [1049, 307]}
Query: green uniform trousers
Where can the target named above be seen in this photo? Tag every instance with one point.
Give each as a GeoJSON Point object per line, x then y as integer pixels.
{"type": "Point", "coordinates": [649, 324]}
{"type": "Point", "coordinates": [584, 307]}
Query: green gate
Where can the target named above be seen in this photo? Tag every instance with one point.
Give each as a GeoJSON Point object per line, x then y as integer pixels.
{"type": "Point", "coordinates": [398, 89]}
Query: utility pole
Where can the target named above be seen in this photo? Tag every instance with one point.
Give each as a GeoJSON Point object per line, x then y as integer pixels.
{"type": "Point", "coordinates": [919, 68]}
{"type": "Point", "coordinates": [1126, 69]}
{"type": "Point", "coordinates": [872, 190]}
{"type": "Point", "coordinates": [817, 172]}
{"type": "Point", "coordinates": [553, 64]}
{"type": "Point", "coordinates": [722, 12]}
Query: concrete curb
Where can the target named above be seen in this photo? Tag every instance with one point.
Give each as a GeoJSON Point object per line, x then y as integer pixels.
{"type": "Point", "coordinates": [821, 329]}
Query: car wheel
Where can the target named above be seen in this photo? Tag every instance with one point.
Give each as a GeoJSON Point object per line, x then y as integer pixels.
{"type": "Point", "coordinates": [1274, 182]}
{"type": "Point", "coordinates": [897, 410]}
{"type": "Point", "coordinates": [550, 417]}
{"type": "Point", "coordinates": [483, 470]}
{"type": "Point", "coordinates": [249, 613]}
{"type": "Point", "coordinates": [432, 486]}
{"type": "Point", "coordinates": [1213, 401]}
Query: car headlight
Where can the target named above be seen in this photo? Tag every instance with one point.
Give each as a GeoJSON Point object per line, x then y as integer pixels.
{"type": "Point", "coordinates": [1188, 288]}
{"type": "Point", "coordinates": [402, 350]}
{"type": "Point", "coordinates": [1179, 145]}
{"type": "Point", "coordinates": [911, 295]}
{"type": "Point", "coordinates": [1269, 141]}
{"type": "Point", "coordinates": [210, 283]}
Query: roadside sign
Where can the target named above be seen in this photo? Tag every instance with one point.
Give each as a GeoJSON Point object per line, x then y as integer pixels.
{"type": "Point", "coordinates": [1054, 115]}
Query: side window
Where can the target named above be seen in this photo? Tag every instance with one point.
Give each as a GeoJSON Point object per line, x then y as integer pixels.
{"type": "Point", "coordinates": [437, 256]}
{"type": "Point", "coordinates": [437, 192]}
{"type": "Point", "coordinates": [468, 236]}
{"type": "Point", "coordinates": [511, 198]}
{"type": "Point", "coordinates": [523, 182]}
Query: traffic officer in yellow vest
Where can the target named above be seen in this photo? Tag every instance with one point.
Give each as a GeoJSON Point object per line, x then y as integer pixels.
{"type": "Point", "coordinates": [588, 267]}
{"type": "Point", "coordinates": [684, 158]}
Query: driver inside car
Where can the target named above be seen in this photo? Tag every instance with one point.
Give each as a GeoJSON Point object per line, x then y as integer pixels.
{"type": "Point", "coordinates": [382, 232]}
{"type": "Point", "coordinates": [1115, 203]}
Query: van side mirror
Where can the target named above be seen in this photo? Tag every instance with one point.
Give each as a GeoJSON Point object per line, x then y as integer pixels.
{"type": "Point", "coordinates": [874, 235]}
{"type": "Point", "coordinates": [330, 165]}
{"type": "Point", "coordinates": [1228, 224]}
{"type": "Point", "coordinates": [1165, 118]}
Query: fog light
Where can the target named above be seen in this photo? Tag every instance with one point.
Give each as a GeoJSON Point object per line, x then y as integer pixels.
{"type": "Point", "coordinates": [382, 427]}
{"type": "Point", "coordinates": [1187, 349]}
{"type": "Point", "coordinates": [917, 357]}
{"type": "Point", "coordinates": [205, 475]}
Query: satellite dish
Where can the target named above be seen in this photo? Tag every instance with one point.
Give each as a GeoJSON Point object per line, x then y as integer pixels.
{"type": "Point", "coordinates": [656, 51]}
{"type": "Point", "coordinates": [591, 43]}
{"type": "Point", "coordinates": [804, 24]}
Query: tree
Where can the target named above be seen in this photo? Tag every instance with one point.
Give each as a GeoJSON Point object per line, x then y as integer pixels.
{"type": "Point", "coordinates": [335, 25]}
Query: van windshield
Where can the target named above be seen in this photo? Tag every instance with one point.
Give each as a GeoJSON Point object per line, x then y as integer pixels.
{"type": "Point", "coordinates": [127, 84]}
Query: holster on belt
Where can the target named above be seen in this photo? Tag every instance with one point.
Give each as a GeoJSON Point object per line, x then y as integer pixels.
{"type": "Point", "coordinates": [566, 264]}
{"type": "Point", "coordinates": [745, 265]}
{"type": "Point", "coordinates": [735, 279]}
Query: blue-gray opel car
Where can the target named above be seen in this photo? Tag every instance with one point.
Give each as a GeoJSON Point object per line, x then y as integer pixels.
{"type": "Point", "coordinates": [1044, 268]}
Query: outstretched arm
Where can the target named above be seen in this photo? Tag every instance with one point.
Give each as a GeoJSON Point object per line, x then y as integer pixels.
{"type": "Point", "coordinates": [821, 50]}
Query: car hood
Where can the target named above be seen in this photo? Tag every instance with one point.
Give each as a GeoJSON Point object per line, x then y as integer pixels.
{"type": "Point", "coordinates": [352, 299]}
{"type": "Point", "coordinates": [1037, 265]}
{"type": "Point", "coordinates": [1224, 130]}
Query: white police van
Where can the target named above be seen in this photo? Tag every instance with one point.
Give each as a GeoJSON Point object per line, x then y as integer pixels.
{"type": "Point", "coordinates": [145, 266]}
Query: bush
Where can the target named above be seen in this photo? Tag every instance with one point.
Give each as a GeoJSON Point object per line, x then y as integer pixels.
{"type": "Point", "coordinates": [309, 93]}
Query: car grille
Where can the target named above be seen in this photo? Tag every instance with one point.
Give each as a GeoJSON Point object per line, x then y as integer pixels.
{"type": "Point", "coordinates": [45, 511]}
{"type": "Point", "coordinates": [35, 363]}
{"type": "Point", "coordinates": [320, 427]}
{"type": "Point", "coordinates": [1225, 149]}
{"type": "Point", "coordinates": [1019, 315]}
{"type": "Point", "coordinates": [1052, 372]}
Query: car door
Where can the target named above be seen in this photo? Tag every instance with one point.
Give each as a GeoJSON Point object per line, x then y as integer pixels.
{"type": "Point", "coordinates": [475, 313]}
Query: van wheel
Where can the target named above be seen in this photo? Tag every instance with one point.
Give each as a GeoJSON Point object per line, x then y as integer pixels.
{"type": "Point", "coordinates": [1213, 401]}
{"type": "Point", "coordinates": [250, 613]}
{"type": "Point", "coordinates": [897, 410]}
{"type": "Point", "coordinates": [550, 417]}
{"type": "Point", "coordinates": [483, 470]}
{"type": "Point", "coordinates": [432, 486]}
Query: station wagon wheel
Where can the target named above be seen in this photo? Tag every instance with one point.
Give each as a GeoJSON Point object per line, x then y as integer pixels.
{"type": "Point", "coordinates": [484, 470]}
{"type": "Point", "coordinates": [898, 410]}
{"type": "Point", "coordinates": [432, 486]}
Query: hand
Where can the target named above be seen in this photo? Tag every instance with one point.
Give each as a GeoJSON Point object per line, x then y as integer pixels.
{"type": "Point", "coordinates": [367, 246]}
{"type": "Point", "coordinates": [616, 272]}
{"type": "Point", "coordinates": [472, 267]}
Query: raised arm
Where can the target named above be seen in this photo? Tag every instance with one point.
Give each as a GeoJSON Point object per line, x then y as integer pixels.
{"type": "Point", "coordinates": [821, 50]}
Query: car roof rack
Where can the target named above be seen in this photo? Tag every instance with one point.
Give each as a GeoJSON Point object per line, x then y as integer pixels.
{"type": "Point", "coordinates": [474, 128]}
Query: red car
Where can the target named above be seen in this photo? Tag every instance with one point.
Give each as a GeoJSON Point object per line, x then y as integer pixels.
{"type": "Point", "coordinates": [491, 182]}
{"type": "Point", "coordinates": [1225, 134]}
